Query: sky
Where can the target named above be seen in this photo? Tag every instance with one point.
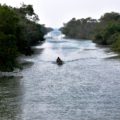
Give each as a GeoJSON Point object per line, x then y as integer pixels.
{"type": "Point", "coordinates": [53, 13]}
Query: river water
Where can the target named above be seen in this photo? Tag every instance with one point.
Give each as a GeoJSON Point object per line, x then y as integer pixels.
{"type": "Point", "coordinates": [85, 87]}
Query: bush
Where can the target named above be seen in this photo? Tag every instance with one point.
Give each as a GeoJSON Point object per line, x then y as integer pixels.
{"type": "Point", "coordinates": [116, 45]}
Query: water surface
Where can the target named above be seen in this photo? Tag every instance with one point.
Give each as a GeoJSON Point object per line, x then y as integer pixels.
{"type": "Point", "coordinates": [86, 87]}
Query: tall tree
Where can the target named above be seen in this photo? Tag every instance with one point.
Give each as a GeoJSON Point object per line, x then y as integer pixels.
{"type": "Point", "coordinates": [8, 31]}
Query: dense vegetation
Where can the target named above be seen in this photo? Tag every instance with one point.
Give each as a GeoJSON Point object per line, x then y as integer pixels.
{"type": "Point", "coordinates": [108, 31]}
{"type": "Point", "coordinates": [105, 31]}
{"type": "Point", "coordinates": [79, 28]}
{"type": "Point", "coordinates": [19, 30]}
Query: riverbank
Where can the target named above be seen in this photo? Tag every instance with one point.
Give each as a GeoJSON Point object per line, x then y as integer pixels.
{"type": "Point", "coordinates": [23, 63]}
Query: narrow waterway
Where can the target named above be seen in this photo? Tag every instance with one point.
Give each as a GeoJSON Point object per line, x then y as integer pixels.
{"type": "Point", "coordinates": [85, 87]}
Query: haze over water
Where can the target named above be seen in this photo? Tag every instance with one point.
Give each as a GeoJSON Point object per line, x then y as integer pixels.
{"type": "Point", "coordinates": [85, 87]}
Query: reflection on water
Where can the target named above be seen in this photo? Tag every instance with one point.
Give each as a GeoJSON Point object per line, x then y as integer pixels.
{"type": "Point", "coordinates": [86, 87]}
{"type": "Point", "coordinates": [10, 98]}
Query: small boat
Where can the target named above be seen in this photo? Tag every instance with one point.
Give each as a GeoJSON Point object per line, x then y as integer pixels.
{"type": "Point", "coordinates": [59, 61]}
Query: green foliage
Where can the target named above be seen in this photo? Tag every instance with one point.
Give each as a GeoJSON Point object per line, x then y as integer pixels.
{"type": "Point", "coordinates": [8, 52]}
{"type": "Point", "coordinates": [108, 29]}
{"type": "Point", "coordinates": [8, 48]}
{"type": "Point", "coordinates": [30, 31]}
{"type": "Point", "coordinates": [105, 31]}
{"type": "Point", "coordinates": [19, 30]}
{"type": "Point", "coordinates": [116, 45]}
{"type": "Point", "coordinates": [30, 34]}
{"type": "Point", "coordinates": [110, 17]}
{"type": "Point", "coordinates": [81, 28]}
{"type": "Point", "coordinates": [107, 35]}
{"type": "Point", "coordinates": [26, 9]}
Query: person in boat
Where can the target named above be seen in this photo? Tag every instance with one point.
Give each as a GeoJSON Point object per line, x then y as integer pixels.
{"type": "Point", "coordinates": [59, 61]}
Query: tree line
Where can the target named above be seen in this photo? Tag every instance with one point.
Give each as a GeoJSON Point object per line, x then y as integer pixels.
{"type": "Point", "coordinates": [19, 30]}
{"type": "Point", "coordinates": [104, 31]}
{"type": "Point", "coordinates": [79, 28]}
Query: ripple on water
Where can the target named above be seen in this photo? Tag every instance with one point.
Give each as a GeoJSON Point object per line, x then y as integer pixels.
{"type": "Point", "coordinates": [86, 87]}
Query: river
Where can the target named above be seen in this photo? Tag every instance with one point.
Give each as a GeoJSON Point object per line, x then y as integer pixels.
{"type": "Point", "coordinates": [85, 87]}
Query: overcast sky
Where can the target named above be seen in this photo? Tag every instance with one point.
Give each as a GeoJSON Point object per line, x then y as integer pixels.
{"type": "Point", "coordinates": [54, 13]}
